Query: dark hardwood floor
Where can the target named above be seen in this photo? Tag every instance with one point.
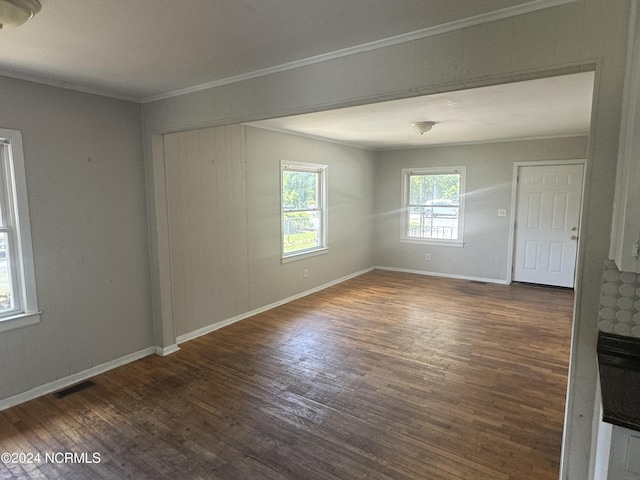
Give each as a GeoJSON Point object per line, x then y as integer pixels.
{"type": "Point", "coordinates": [386, 376]}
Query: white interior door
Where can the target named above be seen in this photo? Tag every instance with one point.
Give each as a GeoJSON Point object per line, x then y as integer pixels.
{"type": "Point", "coordinates": [548, 199]}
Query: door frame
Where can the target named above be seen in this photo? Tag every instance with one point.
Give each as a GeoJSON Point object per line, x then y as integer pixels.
{"type": "Point", "coordinates": [514, 202]}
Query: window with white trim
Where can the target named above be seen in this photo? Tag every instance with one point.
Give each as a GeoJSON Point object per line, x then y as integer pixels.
{"type": "Point", "coordinates": [304, 208]}
{"type": "Point", "coordinates": [433, 205]}
{"type": "Point", "coordinates": [18, 298]}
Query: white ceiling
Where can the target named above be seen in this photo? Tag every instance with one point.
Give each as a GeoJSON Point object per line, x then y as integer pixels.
{"type": "Point", "coordinates": [147, 49]}
{"type": "Point", "coordinates": [142, 49]}
{"type": "Point", "coordinates": [544, 108]}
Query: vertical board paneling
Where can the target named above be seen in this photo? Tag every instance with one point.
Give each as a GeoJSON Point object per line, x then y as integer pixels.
{"type": "Point", "coordinates": [185, 225]}
{"type": "Point", "coordinates": [569, 27]}
{"type": "Point", "coordinates": [495, 55]}
{"type": "Point", "coordinates": [448, 56]}
{"type": "Point", "coordinates": [207, 211]}
{"type": "Point", "coordinates": [541, 25]}
{"type": "Point", "coordinates": [241, 260]}
{"type": "Point", "coordinates": [225, 247]}
{"type": "Point", "coordinates": [195, 234]}
{"type": "Point", "coordinates": [210, 232]}
{"type": "Point", "coordinates": [174, 206]}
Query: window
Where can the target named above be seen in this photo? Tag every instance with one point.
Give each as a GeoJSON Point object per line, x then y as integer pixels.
{"type": "Point", "coordinates": [304, 209]}
{"type": "Point", "coordinates": [433, 205]}
{"type": "Point", "coordinates": [18, 300]}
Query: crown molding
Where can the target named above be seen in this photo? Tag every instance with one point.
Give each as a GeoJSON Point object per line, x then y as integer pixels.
{"type": "Point", "coordinates": [529, 7]}
{"type": "Point", "coordinates": [67, 85]}
{"type": "Point", "coordinates": [501, 14]}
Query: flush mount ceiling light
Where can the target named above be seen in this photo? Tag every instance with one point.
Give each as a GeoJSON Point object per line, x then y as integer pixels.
{"type": "Point", "coordinates": [422, 127]}
{"type": "Point", "coordinates": [14, 13]}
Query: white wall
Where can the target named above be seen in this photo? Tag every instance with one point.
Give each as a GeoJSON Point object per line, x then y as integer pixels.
{"type": "Point", "coordinates": [223, 190]}
{"type": "Point", "coordinates": [555, 40]}
{"type": "Point", "coordinates": [488, 187]}
{"type": "Point", "coordinates": [206, 188]}
{"type": "Point", "coordinates": [224, 215]}
{"type": "Point", "coordinates": [350, 183]}
{"type": "Point", "coordinates": [85, 181]}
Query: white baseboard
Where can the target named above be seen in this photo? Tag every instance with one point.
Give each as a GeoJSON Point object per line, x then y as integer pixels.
{"type": "Point", "coordinates": [223, 323]}
{"type": "Point", "coordinates": [164, 351]}
{"type": "Point", "coordinates": [445, 275]}
{"type": "Point", "coordinates": [72, 379]}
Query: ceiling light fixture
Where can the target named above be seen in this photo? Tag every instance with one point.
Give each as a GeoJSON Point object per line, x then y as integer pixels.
{"type": "Point", "coordinates": [422, 127]}
{"type": "Point", "coordinates": [14, 13]}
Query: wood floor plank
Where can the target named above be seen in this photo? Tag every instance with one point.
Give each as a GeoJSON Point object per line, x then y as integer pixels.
{"type": "Point", "coordinates": [385, 376]}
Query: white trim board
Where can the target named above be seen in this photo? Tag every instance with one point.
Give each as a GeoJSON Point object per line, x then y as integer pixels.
{"type": "Point", "coordinates": [513, 11]}
{"type": "Point", "coordinates": [72, 379]}
{"type": "Point", "coordinates": [164, 351]}
{"type": "Point", "coordinates": [67, 85]}
{"type": "Point", "coordinates": [529, 7]}
{"type": "Point", "coordinates": [168, 350]}
{"type": "Point", "coordinates": [223, 323]}
{"type": "Point", "coordinates": [444, 275]}
{"type": "Point", "coordinates": [229, 321]}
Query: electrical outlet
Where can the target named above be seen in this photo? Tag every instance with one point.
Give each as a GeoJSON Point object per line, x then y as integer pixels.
{"type": "Point", "coordinates": [305, 273]}
{"type": "Point", "coordinates": [428, 257]}
{"type": "Point", "coordinates": [502, 212]}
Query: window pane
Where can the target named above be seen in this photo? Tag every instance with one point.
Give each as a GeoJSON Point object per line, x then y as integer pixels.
{"type": "Point", "coordinates": [6, 289]}
{"type": "Point", "coordinates": [18, 297]}
{"type": "Point", "coordinates": [424, 224]}
{"type": "Point", "coordinates": [3, 197]}
{"type": "Point", "coordinates": [299, 190]}
{"type": "Point", "coordinates": [448, 187]}
{"type": "Point", "coordinates": [303, 208]}
{"type": "Point", "coordinates": [434, 206]}
{"type": "Point", "coordinates": [301, 231]}
{"type": "Point", "coordinates": [433, 189]}
{"type": "Point", "coordinates": [421, 189]}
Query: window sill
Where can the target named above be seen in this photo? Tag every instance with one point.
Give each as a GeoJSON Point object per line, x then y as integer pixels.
{"type": "Point", "coordinates": [19, 320]}
{"type": "Point", "coordinates": [302, 255]}
{"type": "Point", "coordinates": [432, 241]}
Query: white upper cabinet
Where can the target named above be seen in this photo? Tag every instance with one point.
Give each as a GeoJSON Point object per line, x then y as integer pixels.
{"type": "Point", "coordinates": [626, 220]}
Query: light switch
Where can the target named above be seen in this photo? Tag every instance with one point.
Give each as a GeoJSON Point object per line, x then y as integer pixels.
{"type": "Point", "coordinates": [502, 212]}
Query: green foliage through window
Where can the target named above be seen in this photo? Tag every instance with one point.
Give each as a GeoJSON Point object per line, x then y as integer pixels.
{"type": "Point", "coordinates": [302, 208]}
{"type": "Point", "coordinates": [426, 189]}
{"type": "Point", "coordinates": [433, 204]}
{"type": "Point", "coordinates": [299, 190]}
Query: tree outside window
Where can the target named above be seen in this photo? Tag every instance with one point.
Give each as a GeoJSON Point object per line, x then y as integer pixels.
{"type": "Point", "coordinates": [433, 204]}
{"type": "Point", "coordinates": [303, 208]}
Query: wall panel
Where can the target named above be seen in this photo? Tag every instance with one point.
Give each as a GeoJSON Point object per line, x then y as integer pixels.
{"type": "Point", "coordinates": [206, 175]}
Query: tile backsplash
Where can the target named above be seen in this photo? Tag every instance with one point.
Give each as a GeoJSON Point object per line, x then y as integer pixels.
{"type": "Point", "coordinates": [619, 302]}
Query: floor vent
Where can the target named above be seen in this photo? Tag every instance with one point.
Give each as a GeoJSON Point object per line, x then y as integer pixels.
{"type": "Point", "coordinates": [73, 389]}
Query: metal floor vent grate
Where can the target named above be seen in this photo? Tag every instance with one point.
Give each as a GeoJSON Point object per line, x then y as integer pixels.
{"type": "Point", "coordinates": [73, 389]}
